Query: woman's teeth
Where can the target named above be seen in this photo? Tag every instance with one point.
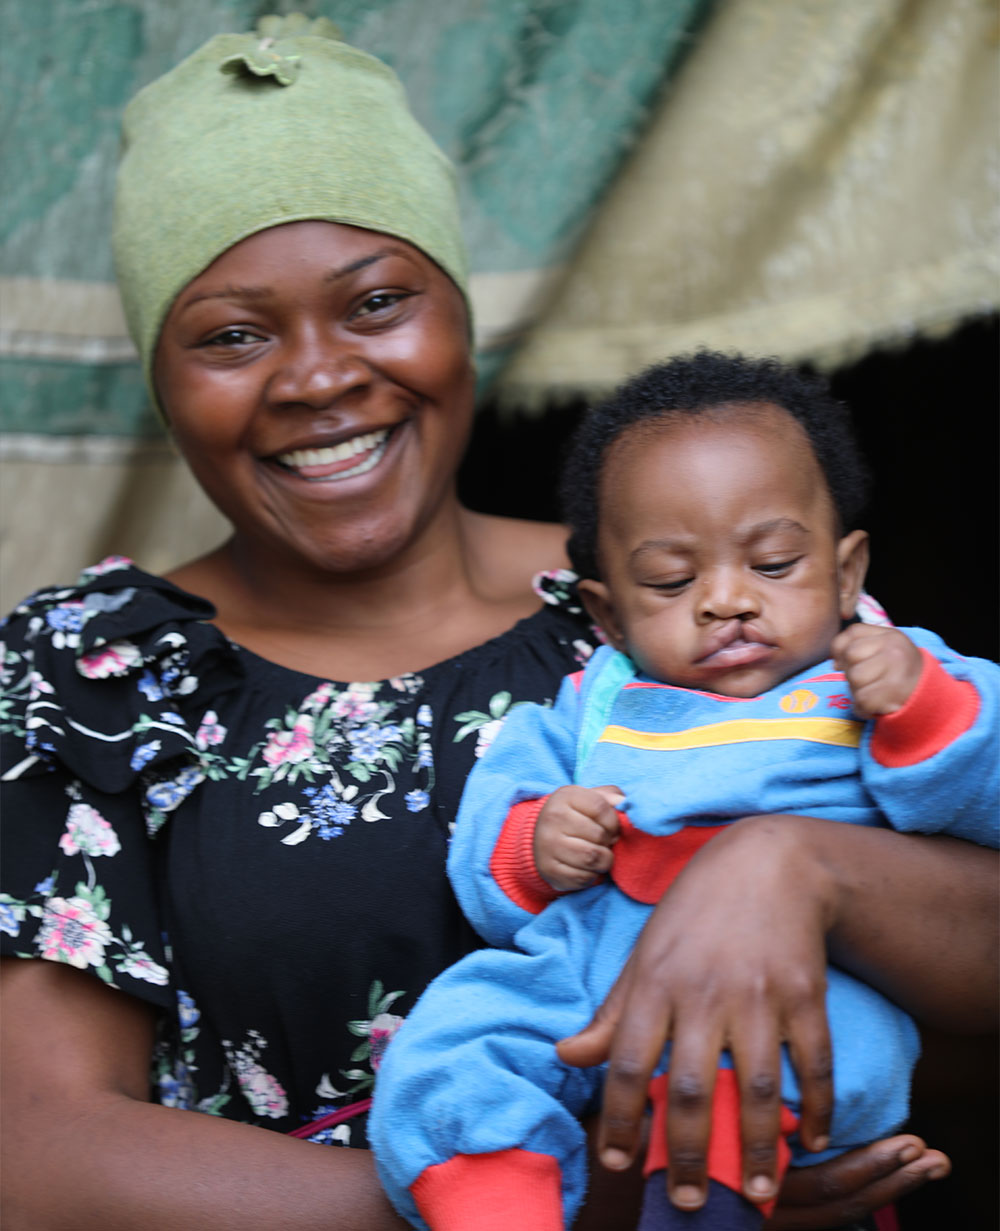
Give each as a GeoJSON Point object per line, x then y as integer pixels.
{"type": "Point", "coordinates": [372, 444]}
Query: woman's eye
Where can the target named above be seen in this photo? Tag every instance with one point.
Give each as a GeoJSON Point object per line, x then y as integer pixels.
{"type": "Point", "coordinates": [381, 301]}
{"type": "Point", "coordinates": [233, 337]}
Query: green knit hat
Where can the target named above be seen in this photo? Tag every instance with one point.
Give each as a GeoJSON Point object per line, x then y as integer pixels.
{"type": "Point", "coordinates": [255, 130]}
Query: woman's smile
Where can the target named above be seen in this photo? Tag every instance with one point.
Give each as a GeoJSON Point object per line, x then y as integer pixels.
{"type": "Point", "coordinates": [331, 463]}
{"type": "Point", "coordinates": [317, 379]}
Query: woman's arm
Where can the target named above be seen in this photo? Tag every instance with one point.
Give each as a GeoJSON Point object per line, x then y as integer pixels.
{"type": "Point", "coordinates": [84, 1148]}
{"type": "Point", "coordinates": [913, 916]}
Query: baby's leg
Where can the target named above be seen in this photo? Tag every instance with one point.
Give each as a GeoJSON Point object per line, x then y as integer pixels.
{"type": "Point", "coordinates": [725, 1208]}
{"type": "Point", "coordinates": [475, 1122]}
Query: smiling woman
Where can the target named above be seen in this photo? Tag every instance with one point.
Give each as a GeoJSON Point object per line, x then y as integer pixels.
{"type": "Point", "coordinates": [229, 792]}
{"type": "Point", "coordinates": [319, 383]}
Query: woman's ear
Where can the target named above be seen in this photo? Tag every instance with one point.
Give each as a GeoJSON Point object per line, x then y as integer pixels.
{"type": "Point", "coordinates": [597, 599]}
{"type": "Point", "coordinates": [852, 565]}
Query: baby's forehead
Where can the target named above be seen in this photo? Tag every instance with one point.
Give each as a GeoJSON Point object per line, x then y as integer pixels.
{"type": "Point", "coordinates": [738, 458]}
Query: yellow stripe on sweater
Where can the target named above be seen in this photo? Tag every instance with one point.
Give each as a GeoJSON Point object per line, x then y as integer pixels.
{"type": "Point", "coordinates": [842, 731]}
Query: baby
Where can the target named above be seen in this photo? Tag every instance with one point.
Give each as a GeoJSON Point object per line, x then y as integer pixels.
{"type": "Point", "coordinates": [713, 504]}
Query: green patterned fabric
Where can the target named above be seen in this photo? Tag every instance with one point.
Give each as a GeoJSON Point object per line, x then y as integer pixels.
{"type": "Point", "coordinates": [536, 102]}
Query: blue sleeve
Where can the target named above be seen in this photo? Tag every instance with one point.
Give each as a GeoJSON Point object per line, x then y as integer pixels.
{"type": "Point", "coordinates": [956, 789]}
{"type": "Point", "coordinates": [534, 754]}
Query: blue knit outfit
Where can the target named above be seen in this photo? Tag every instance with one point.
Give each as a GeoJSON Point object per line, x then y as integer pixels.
{"type": "Point", "coordinates": [474, 1070]}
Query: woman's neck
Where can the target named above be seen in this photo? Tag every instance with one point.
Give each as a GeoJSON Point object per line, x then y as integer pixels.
{"type": "Point", "coordinates": [448, 592]}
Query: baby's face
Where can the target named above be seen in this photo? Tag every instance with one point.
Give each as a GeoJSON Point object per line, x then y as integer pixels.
{"type": "Point", "coordinates": [721, 567]}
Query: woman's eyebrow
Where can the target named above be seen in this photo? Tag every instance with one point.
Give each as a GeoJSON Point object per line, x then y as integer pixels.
{"type": "Point", "coordinates": [362, 262]}
{"type": "Point", "coordinates": [228, 292]}
{"type": "Point", "coordinates": [262, 292]}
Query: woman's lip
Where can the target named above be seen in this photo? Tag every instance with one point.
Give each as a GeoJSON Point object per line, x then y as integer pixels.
{"type": "Point", "coordinates": [344, 460]}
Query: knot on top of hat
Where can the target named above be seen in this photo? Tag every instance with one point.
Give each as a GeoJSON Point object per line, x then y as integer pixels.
{"type": "Point", "coordinates": [273, 51]}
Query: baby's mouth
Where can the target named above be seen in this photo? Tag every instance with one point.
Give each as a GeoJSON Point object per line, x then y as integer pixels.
{"type": "Point", "coordinates": [736, 647]}
{"type": "Point", "coordinates": [351, 457]}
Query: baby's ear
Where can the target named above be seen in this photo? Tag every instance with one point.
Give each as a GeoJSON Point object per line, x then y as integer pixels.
{"type": "Point", "coordinates": [852, 565]}
{"type": "Point", "coordinates": [597, 599]}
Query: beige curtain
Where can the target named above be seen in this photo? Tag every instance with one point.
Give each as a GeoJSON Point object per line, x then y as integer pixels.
{"type": "Point", "coordinates": [821, 177]}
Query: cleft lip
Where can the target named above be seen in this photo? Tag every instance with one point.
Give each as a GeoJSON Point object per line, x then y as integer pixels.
{"type": "Point", "coordinates": [733, 635]}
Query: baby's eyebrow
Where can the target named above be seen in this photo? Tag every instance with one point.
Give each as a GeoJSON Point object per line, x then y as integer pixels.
{"type": "Point", "coordinates": [752, 534]}
{"type": "Point", "coordinates": [775, 526]}
{"type": "Point", "coordinates": [656, 545]}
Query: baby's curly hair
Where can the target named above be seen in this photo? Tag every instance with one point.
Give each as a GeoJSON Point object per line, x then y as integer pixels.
{"type": "Point", "coordinates": [693, 385]}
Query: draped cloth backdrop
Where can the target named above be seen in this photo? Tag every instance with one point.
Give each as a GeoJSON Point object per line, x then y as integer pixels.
{"type": "Point", "coordinates": [807, 178]}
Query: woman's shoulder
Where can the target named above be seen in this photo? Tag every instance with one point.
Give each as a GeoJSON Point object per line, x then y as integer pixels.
{"type": "Point", "coordinates": [110, 678]}
{"type": "Point", "coordinates": [508, 552]}
{"type": "Point", "coordinates": [116, 575]}
{"type": "Point", "coordinates": [110, 601]}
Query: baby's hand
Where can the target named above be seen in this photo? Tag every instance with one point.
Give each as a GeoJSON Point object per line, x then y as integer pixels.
{"type": "Point", "coordinates": [882, 666]}
{"type": "Point", "coordinates": [574, 834]}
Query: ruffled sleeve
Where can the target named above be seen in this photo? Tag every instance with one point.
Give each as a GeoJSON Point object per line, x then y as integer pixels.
{"type": "Point", "coordinates": [108, 689]}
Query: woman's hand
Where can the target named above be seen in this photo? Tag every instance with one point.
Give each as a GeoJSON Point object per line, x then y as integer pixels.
{"type": "Point", "coordinates": [845, 1189]}
{"type": "Point", "coordinates": [734, 956]}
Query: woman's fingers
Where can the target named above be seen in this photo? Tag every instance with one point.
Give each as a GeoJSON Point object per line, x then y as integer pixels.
{"type": "Point", "coordinates": [592, 1044]}
{"type": "Point", "coordinates": [629, 1032]}
{"type": "Point", "coordinates": [694, 1063]}
{"type": "Point", "coordinates": [812, 1058]}
{"type": "Point", "coordinates": [845, 1189]}
{"type": "Point", "coordinates": [757, 1060]}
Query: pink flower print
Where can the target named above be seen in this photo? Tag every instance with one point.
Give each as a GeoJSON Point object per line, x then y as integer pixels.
{"type": "Point", "coordinates": [383, 1027]}
{"type": "Point", "coordinates": [88, 832]}
{"type": "Point", "coordinates": [211, 732]}
{"type": "Point", "coordinates": [37, 685]}
{"type": "Point", "coordinates": [318, 697]}
{"type": "Point", "coordinates": [486, 734]}
{"type": "Point", "coordinates": [141, 966]}
{"type": "Point", "coordinates": [109, 565]}
{"type": "Point", "coordinates": [290, 747]}
{"type": "Point", "coordinates": [355, 702]}
{"type": "Point", "coordinates": [262, 1091]}
{"type": "Point", "coordinates": [71, 932]}
{"type": "Point", "coordinates": [118, 658]}
{"type": "Point", "coordinates": [870, 611]}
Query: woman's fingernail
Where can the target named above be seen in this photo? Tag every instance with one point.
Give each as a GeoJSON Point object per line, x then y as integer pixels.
{"type": "Point", "coordinates": [938, 1172]}
{"type": "Point", "coordinates": [760, 1186]}
{"type": "Point", "coordinates": [909, 1154]}
{"type": "Point", "coordinates": [614, 1159]}
{"type": "Point", "coordinates": [820, 1143]}
{"type": "Point", "coordinates": [688, 1195]}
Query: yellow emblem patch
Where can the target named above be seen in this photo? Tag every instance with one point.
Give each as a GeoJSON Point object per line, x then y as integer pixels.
{"type": "Point", "coordinates": [799, 701]}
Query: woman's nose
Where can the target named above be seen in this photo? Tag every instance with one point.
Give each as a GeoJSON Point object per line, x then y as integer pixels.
{"type": "Point", "coordinates": [316, 371]}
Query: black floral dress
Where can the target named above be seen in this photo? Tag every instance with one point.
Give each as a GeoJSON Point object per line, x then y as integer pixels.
{"type": "Point", "coordinates": [256, 852]}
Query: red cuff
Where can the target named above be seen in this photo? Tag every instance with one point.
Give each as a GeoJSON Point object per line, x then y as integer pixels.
{"type": "Point", "coordinates": [492, 1192]}
{"type": "Point", "coordinates": [725, 1149]}
{"type": "Point", "coordinates": [939, 710]}
{"type": "Point", "coordinates": [512, 864]}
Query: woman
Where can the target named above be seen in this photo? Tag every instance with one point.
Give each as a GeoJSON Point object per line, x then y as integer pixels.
{"type": "Point", "coordinates": [199, 815]}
